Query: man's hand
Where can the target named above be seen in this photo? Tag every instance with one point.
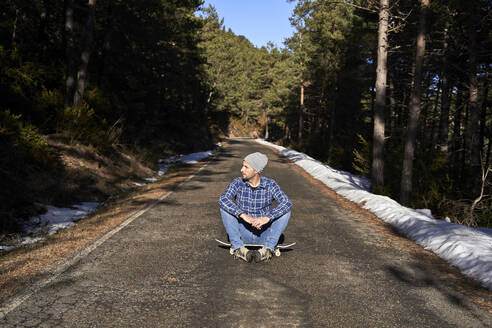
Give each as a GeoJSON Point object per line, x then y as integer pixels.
{"type": "Point", "coordinates": [247, 218]}
{"type": "Point", "coordinates": [260, 222]}
{"type": "Point", "coordinates": [255, 222]}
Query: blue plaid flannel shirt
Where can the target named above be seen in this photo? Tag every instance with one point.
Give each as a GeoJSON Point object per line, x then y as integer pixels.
{"type": "Point", "coordinates": [255, 202]}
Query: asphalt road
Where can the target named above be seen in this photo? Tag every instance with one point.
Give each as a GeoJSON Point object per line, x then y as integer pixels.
{"type": "Point", "coordinates": [165, 270]}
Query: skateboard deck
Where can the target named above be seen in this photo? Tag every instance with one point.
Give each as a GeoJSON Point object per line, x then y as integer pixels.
{"type": "Point", "coordinates": [276, 251]}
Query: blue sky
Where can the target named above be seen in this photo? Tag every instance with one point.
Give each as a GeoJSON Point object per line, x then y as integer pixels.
{"type": "Point", "coordinates": [258, 20]}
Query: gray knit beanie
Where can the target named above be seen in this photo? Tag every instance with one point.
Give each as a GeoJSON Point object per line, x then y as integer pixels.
{"type": "Point", "coordinates": [257, 161]}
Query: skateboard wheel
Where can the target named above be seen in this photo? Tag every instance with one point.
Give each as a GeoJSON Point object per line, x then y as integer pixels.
{"type": "Point", "coordinates": [231, 251]}
{"type": "Point", "coordinates": [277, 252]}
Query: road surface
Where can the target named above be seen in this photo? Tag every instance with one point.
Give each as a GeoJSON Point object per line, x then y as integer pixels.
{"type": "Point", "coordinates": [165, 270]}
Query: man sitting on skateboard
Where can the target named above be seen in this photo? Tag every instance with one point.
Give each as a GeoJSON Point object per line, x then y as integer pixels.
{"type": "Point", "coordinates": [250, 219]}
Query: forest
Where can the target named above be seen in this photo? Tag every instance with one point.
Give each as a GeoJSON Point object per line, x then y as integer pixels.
{"type": "Point", "coordinates": [394, 90]}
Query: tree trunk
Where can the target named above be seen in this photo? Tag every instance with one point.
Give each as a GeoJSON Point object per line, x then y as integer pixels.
{"type": "Point", "coordinates": [474, 112]}
{"type": "Point", "coordinates": [331, 136]}
{"type": "Point", "coordinates": [377, 168]}
{"type": "Point", "coordinates": [487, 160]}
{"type": "Point", "coordinates": [464, 173]}
{"type": "Point", "coordinates": [414, 110]}
{"type": "Point", "coordinates": [243, 101]}
{"type": "Point", "coordinates": [247, 117]}
{"type": "Point", "coordinates": [392, 103]}
{"type": "Point", "coordinates": [301, 111]}
{"type": "Point", "coordinates": [43, 30]}
{"type": "Point", "coordinates": [86, 53]}
{"type": "Point", "coordinates": [14, 31]}
{"type": "Point", "coordinates": [311, 118]}
{"type": "Point", "coordinates": [432, 138]}
{"type": "Point", "coordinates": [267, 133]}
{"type": "Point", "coordinates": [424, 133]}
{"type": "Point", "coordinates": [301, 100]}
{"type": "Point", "coordinates": [286, 132]}
{"type": "Point", "coordinates": [106, 48]}
{"type": "Point", "coordinates": [211, 93]}
{"type": "Point", "coordinates": [445, 99]}
{"type": "Point", "coordinates": [458, 113]}
{"type": "Point", "coordinates": [70, 77]}
{"type": "Point", "coordinates": [321, 111]}
{"type": "Point", "coordinates": [483, 111]}
{"type": "Point", "coordinates": [403, 110]}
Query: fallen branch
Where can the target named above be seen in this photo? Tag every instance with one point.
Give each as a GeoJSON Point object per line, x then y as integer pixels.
{"type": "Point", "coordinates": [485, 173]}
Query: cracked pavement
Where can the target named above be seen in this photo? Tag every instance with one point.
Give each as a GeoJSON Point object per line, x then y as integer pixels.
{"type": "Point", "coordinates": [165, 269]}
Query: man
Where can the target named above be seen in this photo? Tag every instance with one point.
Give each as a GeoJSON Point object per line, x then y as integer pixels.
{"type": "Point", "coordinates": [250, 219]}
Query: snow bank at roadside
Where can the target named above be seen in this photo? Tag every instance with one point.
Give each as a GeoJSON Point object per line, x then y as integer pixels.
{"type": "Point", "coordinates": [467, 248]}
{"type": "Point", "coordinates": [60, 218]}
{"type": "Point", "coordinates": [192, 158]}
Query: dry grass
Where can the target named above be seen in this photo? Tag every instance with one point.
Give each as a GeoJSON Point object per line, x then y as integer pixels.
{"type": "Point", "coordinates": [20, 267]}
{"type": "Point", "coordinates": [439, 268]}
{"type": "Point", "coordinates": [87, 172]}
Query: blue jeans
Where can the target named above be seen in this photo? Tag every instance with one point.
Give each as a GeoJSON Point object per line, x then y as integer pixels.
{"type": "Point", "coordinates": [241, 232]}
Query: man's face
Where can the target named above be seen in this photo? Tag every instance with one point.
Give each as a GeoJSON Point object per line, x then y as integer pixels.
{"type": "Point", "coordinates": [247, 171]}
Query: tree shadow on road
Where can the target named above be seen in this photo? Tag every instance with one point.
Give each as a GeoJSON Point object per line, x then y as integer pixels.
{"type": "Point", "coordinates": [436, 274]}
{"type": "Point", "coordinates": [417, 275]}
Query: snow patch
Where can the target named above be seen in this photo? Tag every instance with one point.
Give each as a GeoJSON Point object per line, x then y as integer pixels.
{"type": "Point", "coordinates": [57, 218]}
{"type": "Point", "coordinates": [192, 158]}
{"type": "Point", "coordinates": [54, 219]}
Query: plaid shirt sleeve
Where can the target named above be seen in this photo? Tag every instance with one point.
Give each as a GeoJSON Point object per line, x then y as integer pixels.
{"type": "Point", "coordinates": [284, 203]}
{"type": "Point", "coordinates": [226, 199]}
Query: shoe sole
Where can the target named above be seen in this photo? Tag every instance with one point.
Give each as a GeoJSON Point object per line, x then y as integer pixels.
{"type": "Point", "coordinates": [258, 259]}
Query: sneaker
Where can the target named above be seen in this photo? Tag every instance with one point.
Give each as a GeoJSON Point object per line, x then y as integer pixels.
{"type": "Point", "coordinates": [263, 254]}
{"type": "Point", "coordinates": [243, 253]}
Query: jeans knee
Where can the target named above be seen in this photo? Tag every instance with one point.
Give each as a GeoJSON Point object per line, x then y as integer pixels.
{"type": "Point", "coordinates": [286, 216]}
{"type": "Point", "coordinates": [226, 214]}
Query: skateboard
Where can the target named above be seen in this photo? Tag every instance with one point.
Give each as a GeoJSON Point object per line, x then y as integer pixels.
{"type": "Point", "coordinates": [276, 251]}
